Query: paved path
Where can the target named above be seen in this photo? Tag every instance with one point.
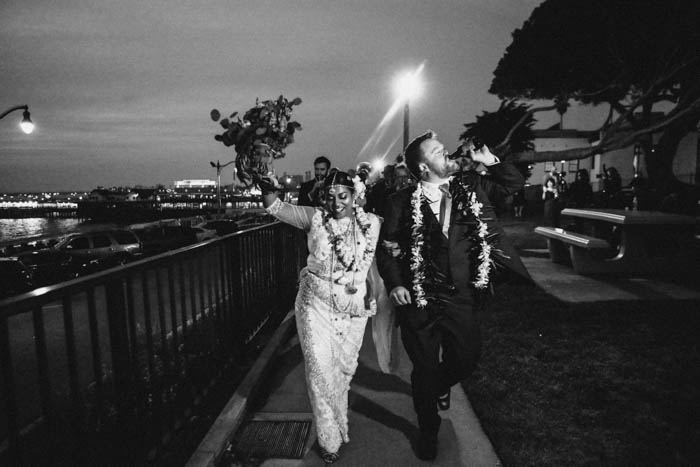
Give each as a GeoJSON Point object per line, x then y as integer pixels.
{"type": "Point", "coordinates": [382, 420]}
{"type": "Point", "coordinates": [562, 282]}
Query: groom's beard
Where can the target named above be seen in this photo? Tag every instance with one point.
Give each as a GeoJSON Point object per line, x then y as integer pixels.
{"type": "Point", "coordinates": [467, 163]}
{"type": "Point", "coordinates": [451, 168]}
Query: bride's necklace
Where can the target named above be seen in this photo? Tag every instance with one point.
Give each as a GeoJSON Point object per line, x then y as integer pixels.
{"type": "Point", "coordinates": [346, 254]}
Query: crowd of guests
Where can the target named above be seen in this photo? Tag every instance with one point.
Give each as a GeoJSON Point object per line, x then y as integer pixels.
{"type": "Point", "coordinates": [393, 178]}
{"type": "Point", "coordinates": [556, 193]}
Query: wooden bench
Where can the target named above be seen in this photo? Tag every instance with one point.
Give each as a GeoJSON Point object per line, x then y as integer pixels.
{"type": "Point", "coordinates": [562, 243]}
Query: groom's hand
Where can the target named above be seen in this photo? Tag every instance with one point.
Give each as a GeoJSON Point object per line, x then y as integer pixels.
{"type": "Point", "coordinates": [400, 296]}
{"type": "Point", "coordinates": [481, 153]}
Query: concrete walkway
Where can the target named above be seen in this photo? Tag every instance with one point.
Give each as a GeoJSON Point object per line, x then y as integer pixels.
{"type": "Point", "coordinates": [565, 284]}
{"type": "Point", "coordinates": [382, 422]}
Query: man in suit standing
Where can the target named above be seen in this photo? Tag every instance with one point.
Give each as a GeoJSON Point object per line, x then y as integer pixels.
{"type": "Point", "coordinates": [437, 241]}
{"type": "Point", "coordinates": [310, 192]}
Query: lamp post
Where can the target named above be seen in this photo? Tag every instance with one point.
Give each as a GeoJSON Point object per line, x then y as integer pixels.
{"type": "Point", "coordinates": [218, 168]}
{"type": "Point", "coordinates": [26, 123]}
{"type": "Point", "coordinates": [408, 86]}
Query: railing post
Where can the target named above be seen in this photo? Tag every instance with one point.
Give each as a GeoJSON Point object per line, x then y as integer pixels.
{"type": "Point", "coordinates": [8, 390]}
{"type": "Point", "coordinates": [118, 334]}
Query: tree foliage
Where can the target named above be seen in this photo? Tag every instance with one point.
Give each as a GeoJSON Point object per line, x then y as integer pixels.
{"type": "Point", "coordinates": [631, 55]}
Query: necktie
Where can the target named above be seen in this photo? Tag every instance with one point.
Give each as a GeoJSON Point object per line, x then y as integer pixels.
{"type": "Point", "coordinates": [445, 206]}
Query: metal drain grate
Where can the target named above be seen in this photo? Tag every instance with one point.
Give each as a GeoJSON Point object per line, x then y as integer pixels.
{"type": "Point", "coordinates": [272, 439]}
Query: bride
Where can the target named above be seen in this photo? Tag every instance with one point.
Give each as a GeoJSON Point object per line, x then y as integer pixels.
{"type": "Point", "coordinates": [333, 301]}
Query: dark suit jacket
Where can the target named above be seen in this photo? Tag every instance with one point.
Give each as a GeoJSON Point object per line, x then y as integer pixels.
{"type": "Point", "coordinates": [304, 190]}
{"type": "Point", "coordinates": [376, 197]}
{"type": "Point", "coordinates": [397, 228]}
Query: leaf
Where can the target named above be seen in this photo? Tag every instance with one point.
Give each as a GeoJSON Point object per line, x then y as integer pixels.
{"type": "Point", "coordinates": [215, 115]}
{"type": "Point", "coordinates": [296, 101]}
{"type": "Point", "coordinates": [233, 115]}
{"type": "Point", "coordinates": [224, 122]}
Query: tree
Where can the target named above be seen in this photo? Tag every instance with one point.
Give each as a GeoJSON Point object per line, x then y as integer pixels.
{"type": "Point", "coordinates": [636, 56]}
{"type": "Point", "coordinates": [494, 127]}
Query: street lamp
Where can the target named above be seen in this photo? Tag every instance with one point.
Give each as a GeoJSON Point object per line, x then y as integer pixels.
{"type": "Point", "coordinates": [26, 123]}
{"type": "Point", "coordinates": [408, 86]}
{"type": "Point", "coordinates": [218, 168]}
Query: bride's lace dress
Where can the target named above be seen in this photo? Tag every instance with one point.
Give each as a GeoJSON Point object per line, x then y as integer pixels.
{"type": "Point", "coordinates": [330, 320]}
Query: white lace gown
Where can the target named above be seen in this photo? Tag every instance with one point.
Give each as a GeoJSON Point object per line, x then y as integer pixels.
{"type": "Point", "coordinates": [330, 321]}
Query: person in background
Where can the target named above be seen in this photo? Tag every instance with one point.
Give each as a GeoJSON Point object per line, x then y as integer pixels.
{"type": "Point", "coordinates": [580, 191]}
{"type": "Point", "coordinates": [333, 302]}
{"type": "Point", "coordinates": [550, 196]}
{"type": "Point", "coordinates": [402, 178]}
{"type": "Point", "coordinates": [519, 203]}
{"type": "Point", "coordinates": [310, 193]}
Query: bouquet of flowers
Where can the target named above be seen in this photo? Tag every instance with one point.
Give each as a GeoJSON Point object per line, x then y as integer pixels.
{"type": "Point", "coordinates": [259, 137]}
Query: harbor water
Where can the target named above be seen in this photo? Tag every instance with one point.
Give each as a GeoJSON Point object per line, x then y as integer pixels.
{"type": "Point", "coordinates": [34, 228]}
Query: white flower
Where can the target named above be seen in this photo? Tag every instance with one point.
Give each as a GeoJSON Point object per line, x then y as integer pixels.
{"type": "Point", "coordinates": [417, 246]}
{"type": "Point", "coordinates": [359, 187]}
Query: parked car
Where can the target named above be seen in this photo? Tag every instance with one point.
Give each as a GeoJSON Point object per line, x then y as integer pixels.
{"type": "Point", "coordinates": [159, 239]}
{"type": "Point", "coordinates": [49, 266]}
{"type": "Point", "coordinates": [15, 277]}
{"type": "Point", "coordinates": [120, 245]}
{"type": "Point", "coordinates": [203, 234]}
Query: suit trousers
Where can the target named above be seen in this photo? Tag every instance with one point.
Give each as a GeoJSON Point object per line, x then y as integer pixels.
{"type": "Point", "coordinates": [443, 341]}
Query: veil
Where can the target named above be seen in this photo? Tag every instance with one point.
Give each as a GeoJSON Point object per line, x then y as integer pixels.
{"type": "Point", "coordinates": [383, 323]}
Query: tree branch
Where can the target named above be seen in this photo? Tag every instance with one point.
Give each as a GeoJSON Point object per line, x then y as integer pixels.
{"type": "Point", "coordinates": [500, 147]}
{"type": "Point", "coordinates": [608, 142]}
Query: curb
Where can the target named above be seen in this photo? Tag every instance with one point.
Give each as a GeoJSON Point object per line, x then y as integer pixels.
{"type": "Point", "coordinates": [230, 418]}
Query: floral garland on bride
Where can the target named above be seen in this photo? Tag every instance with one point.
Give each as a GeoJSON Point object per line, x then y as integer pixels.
{"type": "Point", "coordinates": [480, 243]}
{"type": "Point", "coordinates": [338, 242]}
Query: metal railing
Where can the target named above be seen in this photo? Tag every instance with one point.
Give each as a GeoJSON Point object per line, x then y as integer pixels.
{"type": "Point", "coordinates": [136, 346]}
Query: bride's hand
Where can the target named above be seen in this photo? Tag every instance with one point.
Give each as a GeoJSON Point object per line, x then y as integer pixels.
{"type": "Point", "coordinates": [400, 295]}
{"type": "Point", "coordinates": [268, 183]}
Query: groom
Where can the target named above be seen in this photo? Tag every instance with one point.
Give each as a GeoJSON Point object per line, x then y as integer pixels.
{"type": "Point", "coordinates": [430, 261]}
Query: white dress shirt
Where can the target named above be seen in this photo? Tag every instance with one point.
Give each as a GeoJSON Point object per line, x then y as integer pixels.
{"type": "Point", "coordinates": [434, 195]}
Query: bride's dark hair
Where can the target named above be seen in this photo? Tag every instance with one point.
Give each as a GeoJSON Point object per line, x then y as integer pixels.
{"type": "Point", "coordinates": [337, 177]}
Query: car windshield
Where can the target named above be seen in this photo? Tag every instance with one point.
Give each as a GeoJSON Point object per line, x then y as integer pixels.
{"type": "Point", "coordinates": [124, 238]}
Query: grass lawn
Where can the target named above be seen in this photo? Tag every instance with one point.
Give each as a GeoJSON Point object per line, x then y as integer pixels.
{"type": "Point", "coordinates": [609, 383]}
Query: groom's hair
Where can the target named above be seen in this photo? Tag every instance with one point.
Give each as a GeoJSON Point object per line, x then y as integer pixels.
{"type": "Point", "coordinates": [414, 154]}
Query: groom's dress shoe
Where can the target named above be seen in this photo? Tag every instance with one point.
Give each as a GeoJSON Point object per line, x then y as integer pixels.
{"type": "Point", "coordinates": [426, 449]}
{"type": "Point", "coordinates": [443, 402]}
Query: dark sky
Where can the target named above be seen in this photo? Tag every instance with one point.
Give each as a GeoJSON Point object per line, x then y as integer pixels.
{"type": "Point", "coordinates": [121, 90]}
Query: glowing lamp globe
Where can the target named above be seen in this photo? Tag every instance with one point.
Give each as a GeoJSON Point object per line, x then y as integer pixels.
{"type": "Point", "coordinates": [408, 86]}
{"type": "Point", "coordinates": [26, 124]}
